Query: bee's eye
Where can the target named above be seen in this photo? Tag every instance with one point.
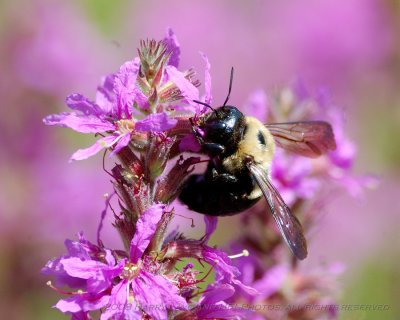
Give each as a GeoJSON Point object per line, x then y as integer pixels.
{"type": "Point", "coordinates": [261, 138]}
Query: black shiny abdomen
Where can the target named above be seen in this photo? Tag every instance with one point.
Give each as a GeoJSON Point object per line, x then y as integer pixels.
{"type": "Point", "coordinates": [218, 193]}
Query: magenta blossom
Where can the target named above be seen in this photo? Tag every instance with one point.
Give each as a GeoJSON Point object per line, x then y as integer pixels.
{"type": "Point", "coordinates": [133, 101]}
{"type": "Point", "coordinates": [144, 115]}
{"type": "Point", "coordinates": [292, 175]}
{"type": "Point", "coordinates": [107, 280]}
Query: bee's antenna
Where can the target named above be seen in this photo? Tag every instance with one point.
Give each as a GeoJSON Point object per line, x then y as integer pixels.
{"type": "Point", "coordinates": [230, 88]}
{"type": "Point", "coordinates": [204, 104]}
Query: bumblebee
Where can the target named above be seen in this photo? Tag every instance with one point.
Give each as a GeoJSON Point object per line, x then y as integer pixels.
{"type": "Point", "coordinates": [241, 149]}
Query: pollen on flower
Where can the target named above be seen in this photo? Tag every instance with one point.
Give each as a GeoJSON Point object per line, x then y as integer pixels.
{"type": "Point", "coordinates": [130, 271]}
{"type": "Point", "coordinates": [125, 126]}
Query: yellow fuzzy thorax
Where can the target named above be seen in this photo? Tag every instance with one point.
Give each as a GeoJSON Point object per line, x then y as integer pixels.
{"type": "Point", "coordinates": [251, 146]}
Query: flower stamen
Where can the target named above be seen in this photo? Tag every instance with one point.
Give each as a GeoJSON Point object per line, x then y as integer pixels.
{"type": "Point", "coordinates": [245, 253]}
{"type": "Point", "coordinates": [79, 291]}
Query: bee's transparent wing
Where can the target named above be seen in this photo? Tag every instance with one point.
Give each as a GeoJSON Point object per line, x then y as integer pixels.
{"type": "Point", "coordinates": [308, 138]}
{"type": "Point", "coordinates": [288, 224]}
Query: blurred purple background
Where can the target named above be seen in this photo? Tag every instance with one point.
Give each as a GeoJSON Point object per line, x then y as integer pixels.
{"type": "Point", "coordinates": [49, 49]}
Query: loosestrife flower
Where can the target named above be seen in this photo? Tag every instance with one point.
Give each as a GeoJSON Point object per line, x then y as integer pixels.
{"type": "Point", "coordinates": [285, 290]}
{"type": "Point", "coordinates": [141, 115]}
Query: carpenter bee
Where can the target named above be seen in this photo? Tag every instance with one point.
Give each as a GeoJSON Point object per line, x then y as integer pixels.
{"type": "Point", "coordinates": [241, 149]}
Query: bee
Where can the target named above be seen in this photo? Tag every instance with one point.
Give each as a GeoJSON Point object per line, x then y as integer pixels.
{"type": "Point", "coordinates": [241, 149]}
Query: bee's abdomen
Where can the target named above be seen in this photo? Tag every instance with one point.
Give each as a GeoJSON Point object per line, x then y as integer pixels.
{"type": "Point", "coordinates": [216, 198]}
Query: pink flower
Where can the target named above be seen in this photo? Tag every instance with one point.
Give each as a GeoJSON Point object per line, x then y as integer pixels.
{"type": "Point", "coordinates": [129, 103]}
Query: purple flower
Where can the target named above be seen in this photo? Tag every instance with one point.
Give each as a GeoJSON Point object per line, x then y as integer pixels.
{"type": "Point", "coordinates": [292, 176]}
{"type": "Point", "coordinates": [154, 293]}
{"type": "Point", "coordinates": [141, 113]}
{"type": "Point", "coordinates": [212, 305]}
{"type": "Point", "coordinates": [88, 267]}
{"type": "Point", "coordinates": [109, 282]}
{"type": "Point", "coordinates": [271, 281]}
{"type": "Point", "coordinates": [257, 105]}
{"type": "Point", "coordinates": [131, 103]}
{"type": "Point", "coordinates": [225, 272]}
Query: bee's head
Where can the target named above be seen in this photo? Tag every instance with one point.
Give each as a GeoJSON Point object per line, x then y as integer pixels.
{"type": "Point", "coordinates": [224, 126]}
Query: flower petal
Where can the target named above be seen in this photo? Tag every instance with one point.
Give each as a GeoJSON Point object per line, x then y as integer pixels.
{"type": "Point", "coordinates": [211, 225]}
{"type": "Point", "coordinates": [117, 302]}
{"type": "Point", "coordinates": [83, 269]}
{"type": "Point", "coordinates": [122, 142]}
{"type": "Point", "coordinates": [225, 272]}
{"type": "Point", "coordinates": [272, 281]}
{"type": "Point", "coordinates": [104, 100]}
{"type": "Point", "coordinates": [172, 45]}
{"type": "Point", "coordinates": [188, 90]}
{"type": "Point", "coordinates": [125, 85]}
{"type": "Point", "coordinates": [100, 144]}
{"type": "Point", "coordinates": [216, 293]}
{"type": "Point", "coordinates": [79, 123]}
{"type": "Point", "coordinates": [55, 268]}
{"type": "Point", "coordinates": [207, 80]}
{"type": "Point", "coordinates": [156, 294]}
{"type": "Point", "coordinates": [156, 122]}
{"type": "Point", "coordinates": [82, 302]}
{"type": "Point", "coordinates": [212, 305]}
{"type": "Point", "coordinates": [78, 102]}
{"type": "Point", "coordinates": [145, 228]}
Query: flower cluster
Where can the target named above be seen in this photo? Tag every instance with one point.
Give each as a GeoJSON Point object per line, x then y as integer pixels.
{"type": "Point", "coordinates": [286, 291]}
{"type": "Point", "coordinates": [142, 115]}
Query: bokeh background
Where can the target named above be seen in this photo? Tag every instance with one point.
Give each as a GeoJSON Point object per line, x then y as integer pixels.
{"type": "Point", "coordinates": [49, 49]}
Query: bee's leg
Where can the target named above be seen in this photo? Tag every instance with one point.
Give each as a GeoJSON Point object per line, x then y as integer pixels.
{"type": "Point", "coordinates": [223, 178]}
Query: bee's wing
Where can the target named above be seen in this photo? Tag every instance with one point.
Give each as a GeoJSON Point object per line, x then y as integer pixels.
{"type": "Point", "coordinates": [288, 224]}
{"type": "Point", "coordinates": [308, 138]}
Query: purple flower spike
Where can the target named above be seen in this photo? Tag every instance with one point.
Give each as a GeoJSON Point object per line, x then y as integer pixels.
{"type": "Point", "coordinates": [99, 145]}
{"type": "Point", "coordinates": [129, 103]}
{"type": "Point", "coordinates": [144, 115]}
